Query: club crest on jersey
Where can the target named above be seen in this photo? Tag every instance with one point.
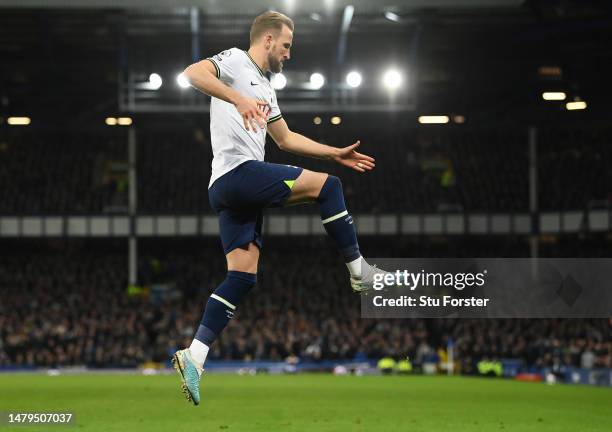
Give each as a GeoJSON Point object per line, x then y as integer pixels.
{"type": "Point", "coordinates": [225, 53]}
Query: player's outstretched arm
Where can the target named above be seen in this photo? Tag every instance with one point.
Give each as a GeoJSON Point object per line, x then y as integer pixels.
{"type": "Point", "coordinates": [202, 76]}
{"type": "Point", "coordinates": [293, 142]}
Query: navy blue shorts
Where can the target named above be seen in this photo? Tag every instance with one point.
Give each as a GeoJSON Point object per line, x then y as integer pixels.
{"type": "Point", "coordinates": [240, 195]}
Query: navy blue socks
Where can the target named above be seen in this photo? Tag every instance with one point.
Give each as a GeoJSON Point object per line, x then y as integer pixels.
{"type": "Point", "coordinates": [336, 220]}
{"type": "Point", "coordinates": [222, 304]}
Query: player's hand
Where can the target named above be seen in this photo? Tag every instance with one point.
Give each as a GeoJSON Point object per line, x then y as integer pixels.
{"type": "Point", "coordinates": [348, 157]}
{"type": "Point", "coordinates": [254, 112]}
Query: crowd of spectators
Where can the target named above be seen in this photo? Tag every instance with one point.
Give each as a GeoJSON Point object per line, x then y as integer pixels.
{"type": "Point", "coordinates": [571, 174]}
{"type": "Point", "coordinates": [459, 169]}
{"type": "Point", "coordinates": [60, 173]}
{"type": "Point", "coordinates": [65, 303]}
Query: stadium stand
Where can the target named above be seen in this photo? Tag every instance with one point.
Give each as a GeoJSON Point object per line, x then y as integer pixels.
{"type": "Point", "coordinates": [65, 303]}
{"type": "Point", "coordinates": [468, 170]}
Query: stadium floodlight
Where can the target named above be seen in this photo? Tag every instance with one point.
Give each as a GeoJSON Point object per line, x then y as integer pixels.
{"type": "Point", "coordinates": [182, 80]}
{"type": "Point", "coordinates": [392, 79]}
{"type": "Point", "coordinates": [437, 119]}
{"type": "Point", "coordinates": [124, 121]}
{"type": "Point", "coordinates": [19, 121]}
{"type": "Point", "coordinates": [317, 120]}
{"type": "Point", "coordinates": [317, 81]}
{"type": "Point", "coordinates": [290, 6]}
{"type": "Point", "coordinates": [336, 120]}
{"type": "Point", "coordinates": [111, 121]}
{"type": "Point", "coordinates": [155, 81]}
{"type": "Point", "coordinates": [576, 105]}
{"type": "Point", "coordinates": [353, 79]}
{"type": "Point", "coordinates": [279, 81]}
{"type": "Point", "coordinates": [391, 16]}
{"type": "Point", "coordinates": [553, 96]}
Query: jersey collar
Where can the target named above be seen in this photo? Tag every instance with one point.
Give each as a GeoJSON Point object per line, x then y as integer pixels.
{"type": "Point", "coordinates": [256, 65]}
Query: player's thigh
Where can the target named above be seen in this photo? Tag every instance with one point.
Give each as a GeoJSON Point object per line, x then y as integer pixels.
{"type": "Point", "coordinates": [307, 187]}
{"type": "Point", "coordinates": [243, 259]}
{"type": "Point", "coordinates": [240, 231]}
{"type": "Point", "coordinates": [259, 184]}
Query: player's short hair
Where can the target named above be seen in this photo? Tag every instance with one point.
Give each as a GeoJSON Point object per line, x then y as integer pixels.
{"type": "Point", "coordinates": [270, 20]}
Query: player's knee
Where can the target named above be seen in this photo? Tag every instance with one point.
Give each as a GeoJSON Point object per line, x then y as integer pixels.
{"type": "Point", "coordinates": [332, 185]}
{"type": "Point", "coordinates": [308, 185]}
{"type": "Point", "coordinates": [239, 284]}
{"type": "Point", "coordinates": [248, 266]}
{"type": "Point", "coordinates": [334, 181]}
{"type": "Point", "coordinates": [244, 259]}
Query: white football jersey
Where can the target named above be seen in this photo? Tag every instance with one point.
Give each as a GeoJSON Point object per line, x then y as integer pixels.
{"type": "Point", "coordinates": [231, 143]}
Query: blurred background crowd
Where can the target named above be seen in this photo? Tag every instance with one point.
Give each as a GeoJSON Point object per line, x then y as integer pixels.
{"type": "Point", "coordinates": [420, 170]}
{"type": "Point", "coordinates": [65, 302]}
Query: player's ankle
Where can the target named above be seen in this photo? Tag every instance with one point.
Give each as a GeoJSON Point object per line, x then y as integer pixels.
{"type": "Point", "coordinates": [198, 351]}
{"type": "Point", "coordinates": [354, 267]}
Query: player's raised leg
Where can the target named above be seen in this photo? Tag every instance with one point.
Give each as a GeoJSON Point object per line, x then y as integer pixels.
{"type": "Point", "coordinates": [338, 223]}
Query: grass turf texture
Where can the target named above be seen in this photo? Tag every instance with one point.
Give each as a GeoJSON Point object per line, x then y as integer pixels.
{"type": "Point", "coordinates": [308, 403]}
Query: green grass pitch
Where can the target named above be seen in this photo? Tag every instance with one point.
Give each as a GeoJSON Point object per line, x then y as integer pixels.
{"type": "Point", "coordinates": [308, 403]}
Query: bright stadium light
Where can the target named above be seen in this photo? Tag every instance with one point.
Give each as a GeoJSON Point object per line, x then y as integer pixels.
{"type": "Point", "coordinates": [391, 16]}
{"type": "Point", "coordinates": [433, 119]}
{"type": "Point", "coordinates": [19, 121]}
{"type": "Point", "coordinates": [111, 121]}
{"type": "Point", "coordinates": [155, 81]}
{"type": "Point", "coordinates": [576, 105]}
{"type": "Point", "coordinates": [182, 80]}
{"type": "Point", "coordinates": [317, 120]}
{"type": "Point", "coordinates": [392, 79]}
{"type": "Point", "coordinates": [124, 121]}
{"type": "Point", "coordinates": [290, 6]}
{"type": "Point", "coordinates": [317, 81]}
{"type": "Point", "coordinates": [553, 96]}
{"type": "Point", "coordinates": [279, 81]}
{"type": "Point", "coordinates": [336, 120]}
{"type": "Point", "coordinates": [353, 79]}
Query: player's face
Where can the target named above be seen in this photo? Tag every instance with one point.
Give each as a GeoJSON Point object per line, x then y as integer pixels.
{"type": "Point", "coordinates": [280, 50]}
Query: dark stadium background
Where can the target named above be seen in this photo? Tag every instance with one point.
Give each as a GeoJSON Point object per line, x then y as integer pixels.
{"type": "Point", "coordinates": [510, 175]}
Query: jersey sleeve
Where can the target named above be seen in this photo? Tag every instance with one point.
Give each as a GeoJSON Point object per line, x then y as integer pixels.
{"type": "Point", "coordinates": [226, 65]}
{"type": "Point", "coordinates": [275, 112]}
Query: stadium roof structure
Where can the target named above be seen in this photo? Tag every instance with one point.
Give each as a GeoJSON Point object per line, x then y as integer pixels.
{"type": "Point", "coordinates": [473, 57]}
{"type": "Point", "coordinates": [255, 6]}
